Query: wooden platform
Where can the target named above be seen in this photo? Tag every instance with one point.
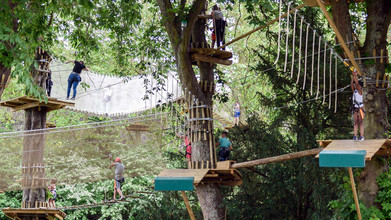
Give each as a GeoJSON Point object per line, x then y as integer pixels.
{"type": "Point", "coordinates": [211, 55]}
{"type": "Point", "coordinates": [380, 147]}
{"type": "Point", "coordinates": [40, 213]}
{"type": "Point", "coordinates": [313, 3]}
{"type": "Point", "coordinates": [25, 102]}
{"type": "Point", "coordinates": [222, 175]}
{"type": "Point", "coordinates": [137, 127]}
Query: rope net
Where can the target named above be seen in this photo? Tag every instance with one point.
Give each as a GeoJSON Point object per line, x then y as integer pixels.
{"type": "Point", "coordinates": [78, 154]}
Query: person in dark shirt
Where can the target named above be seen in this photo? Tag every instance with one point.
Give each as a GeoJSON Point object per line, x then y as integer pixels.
{"type": "Point", "coordinates": [49, 83]}
{"type": "Point", "coordinates": [74, 78]}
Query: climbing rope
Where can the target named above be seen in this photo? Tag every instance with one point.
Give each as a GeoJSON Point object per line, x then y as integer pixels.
{"type": "Point", "coordinates": [313, 59]}
{"type": "Point", "coordinates": [279, 33]}
{"type": "Point", "coordinates": [301, 34]}
{"type": "Point", "coordinates": [305, 59]}
{"type": "Point", "coordinates": [287, 37]}
{"type": "Point", "coordinates": [294, 37]}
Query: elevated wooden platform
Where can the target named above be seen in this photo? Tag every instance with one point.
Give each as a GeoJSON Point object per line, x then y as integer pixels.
{"type": "Point", "coordinates": [25, 102]}
{"type": "Point", "coordinates": [313, 3]}
{"type": "Point", "coordinates": [380, 147]}
{"type": "Point", "coordinates": [211, 56]}
{"type": "Point", "coordinates": [222, 175]}
{"type": "Point", "coordinates": [37, 213]}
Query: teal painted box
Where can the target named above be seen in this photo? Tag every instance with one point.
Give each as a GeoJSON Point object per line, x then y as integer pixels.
{"type": "Point", "coordinates": [354, 158]}
{"type": "Point", "coordinates": [174, 183]}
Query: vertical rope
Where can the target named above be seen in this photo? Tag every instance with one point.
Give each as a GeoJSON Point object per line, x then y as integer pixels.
{"type": "Point", "coordinates": [287, 37]}
{"type": "Point", "coordinates": [313, 59]}
{"type": "Point", "coordinates": [293, 47]}
{"type": "Point", "coordinates": [305, 59]}
{"type": "Point", "coordinates": [301, 34]}
{"type": "Point", "coordinates": [324, 72]}
{"type": "Point", "coordinates": [279, 34]}
{"type": "Point", "coordinates": [330, 80]}
{"type": "Point", "coordinates": [317, 89]}
{"type": "Point", "coordinates": [336, 92]}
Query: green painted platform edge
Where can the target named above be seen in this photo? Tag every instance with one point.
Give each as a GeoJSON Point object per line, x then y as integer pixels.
{"type": "Point", "coordinates": [354, 158]}
{"type": "Point", "coordinates": [174, 183]}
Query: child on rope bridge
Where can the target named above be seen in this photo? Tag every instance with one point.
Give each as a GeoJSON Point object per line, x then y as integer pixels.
{"type": "Point", "coordinates": [225, 146]}
{"type": "Point", "coordinates": [52, 193]}
{"type": "Point", "coordinates": [118, 179]}
{"type": "Point", "coordinates": [236, 114]}
{"type": "Point", "coordinates": [358, 106]}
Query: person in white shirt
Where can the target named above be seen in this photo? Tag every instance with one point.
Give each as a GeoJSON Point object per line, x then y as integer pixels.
{"type": "Point", "coordinates": [358, 106]}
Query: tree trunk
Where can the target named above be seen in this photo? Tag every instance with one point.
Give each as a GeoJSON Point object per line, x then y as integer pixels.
{"type": "Point", "coordinates": [209, 195]}
{"type": "Point", "coordinates": [32, 158]}
{"type": "Point", "coordinates": [5, 73]}
{"type": "Point", "coordinates": [375, 101]}
{"type": "Point", "coordinates": [34, 183]}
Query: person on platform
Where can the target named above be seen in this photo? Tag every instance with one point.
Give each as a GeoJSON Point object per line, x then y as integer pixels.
{"type": "Point", "coordinates": [74, 78]}
{"type": "Point", "coordinates": [358, 106]}
{"type": "Point", "coordinates": [49, 83]}
{"type": "Point", "coordinates": [118, 178]}
{"type": "Point", "coordinates": [187, 143]}
{"type": "Point", "coordinates": [225, 147]}
{"type": "Point", "coordinates": [218, 25]}
{"type": "Point", "coordinates": [52, 193]}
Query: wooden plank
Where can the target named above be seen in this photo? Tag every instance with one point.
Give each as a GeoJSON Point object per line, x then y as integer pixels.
{"type": "Point", "coordinates": [25, 106]}
{"type": "Point", "coordinates": [277, 159]}
{"type": "Point", "coordinates": [209, 59]}
{"type": "Point", "coordinates": [188, 207]}
{"type": "Point", "coordinates": [371, 146]}
{"type": "Point", "coordinates": [338, 35]}
{"type": "Point", "coordinates": [198, 174]}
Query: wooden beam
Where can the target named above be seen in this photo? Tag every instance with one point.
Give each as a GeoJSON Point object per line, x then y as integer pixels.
{"type": "Point", "coordinates": [263, 26]}
{"type": "Point", "coordinates": [354, 192]}
{"type": "Point", "coordinates": [339, 37]}
{"type": "Point", "coordinates": [26, 106]}
{"type": "Point", "coordinates": [277, 159]}
{"type": "Point", "coordinates": [210, 59]}
{"type": "Point", "coordinates": [188, 207]}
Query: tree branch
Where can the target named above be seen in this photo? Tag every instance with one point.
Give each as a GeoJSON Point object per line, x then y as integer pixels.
{"type": "Point", "coordinates": [192, 18]}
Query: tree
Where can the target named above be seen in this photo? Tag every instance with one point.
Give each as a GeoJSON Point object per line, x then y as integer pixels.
{"type": "Point", "coordinates": [376, 124]}
{"type": "Point", "coordinates": [173, 13]}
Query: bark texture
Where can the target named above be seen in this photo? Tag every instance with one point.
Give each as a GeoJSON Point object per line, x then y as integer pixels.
{"type": "Point", "coordinates": [375, 101]}
{"type": "Point", "coordinates": [34, 183]}
{"type": "Point", "coordinates": [209, 195]}
{"type": "Point", "coordinates": [33, 153]}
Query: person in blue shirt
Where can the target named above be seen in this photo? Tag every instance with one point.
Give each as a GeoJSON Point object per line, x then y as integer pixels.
{"type": "Point", "coordinates": [225, 146]}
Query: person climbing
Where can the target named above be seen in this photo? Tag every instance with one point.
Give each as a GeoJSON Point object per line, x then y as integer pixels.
{"type": "Point", "coordinates": [74, 78]}
{"type": "Point", "coordinates": [49, 83]}
{"type": "Point", "coordinates": [213, 38]}
{"type": "Point", "coordinates": [187, 142]}
{"type": "Point", "coordinates": [358, 106]}
{"type": "Point", "coordinates": [218, 25]}
{"type": "Point", "coordinates": [52, 193]}
{"type": "Point", "coordinates": [225, 146]}
{"type": "Point", "coordinates": [118, 178]}
{"type": "Point", "coordinates": [236, 113]}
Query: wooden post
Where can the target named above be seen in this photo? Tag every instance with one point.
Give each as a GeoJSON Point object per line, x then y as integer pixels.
{"type": "Point", "coordinates": [339, 37]}
{"type": "Point", "coordinates": [188, 207]}
{"type": "Point", "coordinates": [354, 193]}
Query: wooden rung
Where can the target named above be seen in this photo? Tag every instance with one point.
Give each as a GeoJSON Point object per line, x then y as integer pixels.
{"type": "Point", "coordinates": [381, 55]}
{"type": "Point", "coordinates": [377, 78]}
{"type": "Point", "coordinates": [384, 80]}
